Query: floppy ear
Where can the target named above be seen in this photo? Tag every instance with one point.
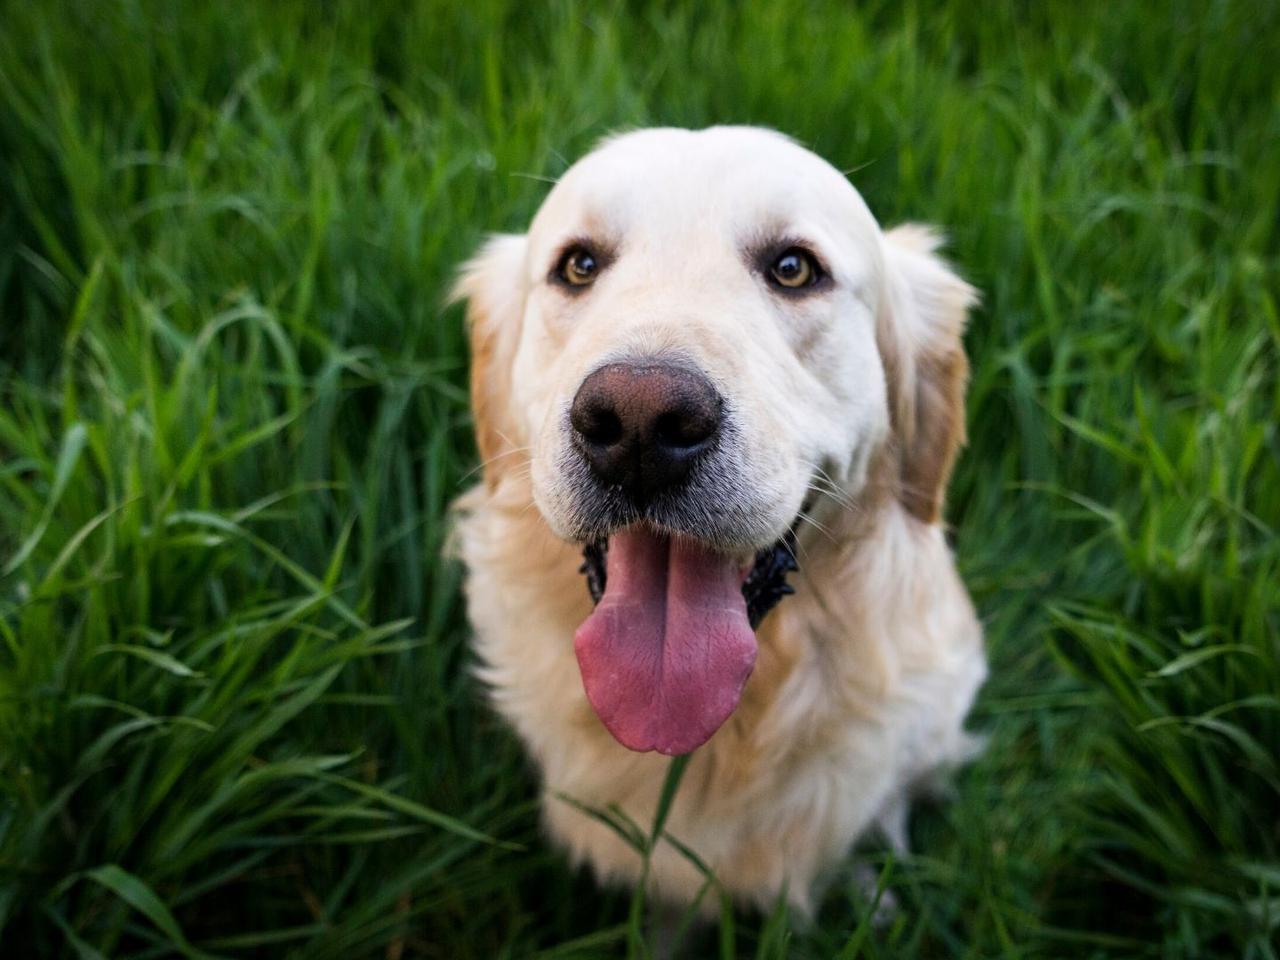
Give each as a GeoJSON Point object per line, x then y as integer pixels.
{"type": "Point", "coordinates": [919, 333]}
{"type": "Point", "coordinates": [492, 283]}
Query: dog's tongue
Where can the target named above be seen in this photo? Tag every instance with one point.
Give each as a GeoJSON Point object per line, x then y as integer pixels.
{"type": "Point", "coordinates": [668, 649]}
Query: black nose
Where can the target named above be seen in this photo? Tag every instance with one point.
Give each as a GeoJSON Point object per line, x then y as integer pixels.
{"type": "Point", "coordinates": [642, 426]}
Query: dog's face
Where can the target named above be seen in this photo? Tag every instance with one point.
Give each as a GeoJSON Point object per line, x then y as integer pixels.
{"type": "Point", "coordinates": [729, 263]}
{"type": "Point", "coordinates": [699, 332]}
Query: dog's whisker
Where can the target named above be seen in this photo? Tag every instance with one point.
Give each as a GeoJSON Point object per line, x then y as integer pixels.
{"type": "Point", "coordinates": [561, 157]}
{"type": "Point", "coordinates": [826, 478]}
{"type": "Point", "coordinates": [492, 460]}
{"type": "Point", "coordinates": [838, 497]}
{"type": "Point", "coordinates": [821, 482]}
{"type": "Point", "coordinates": [535, 176]}
{"type": "Point", "coordinates": [846, 501]}
{"type": "Point", "coordinates": [806, 518]}
{"type": "Point", "coordinates": [835, 493]}
{"type": "Point", "coordinates": [507, 440]}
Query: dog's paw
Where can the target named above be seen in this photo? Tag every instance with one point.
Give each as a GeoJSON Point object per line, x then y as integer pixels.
{"type": "Point", "coordinates": [885, 907]}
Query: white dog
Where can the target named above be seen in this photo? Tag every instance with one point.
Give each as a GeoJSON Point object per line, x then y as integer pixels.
{"type": "Point", "coordinates": [703, 355]}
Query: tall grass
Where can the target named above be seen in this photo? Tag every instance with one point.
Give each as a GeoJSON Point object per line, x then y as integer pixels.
{"type": "Point", "coordinates": [235, 713]}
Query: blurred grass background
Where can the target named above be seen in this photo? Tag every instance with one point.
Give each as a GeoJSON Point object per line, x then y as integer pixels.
{"type": "Point", "coordinates": [235, 715]}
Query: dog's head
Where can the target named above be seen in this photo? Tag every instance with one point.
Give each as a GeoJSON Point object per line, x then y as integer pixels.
{"type": "Point", "coordinates": [696, 328]}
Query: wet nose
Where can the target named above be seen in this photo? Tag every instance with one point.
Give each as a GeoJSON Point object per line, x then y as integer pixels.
{"type": "Point", "coordinates": [641, 426]}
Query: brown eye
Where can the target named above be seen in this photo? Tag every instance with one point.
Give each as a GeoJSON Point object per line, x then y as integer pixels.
{"type": "Point", "coordinates": [795, 268]}
{"type": "Point", "coordinates": [579, 267]}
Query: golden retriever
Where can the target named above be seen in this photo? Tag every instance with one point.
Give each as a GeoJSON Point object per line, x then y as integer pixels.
{"type": "Point", "coordinates": [706, 355]}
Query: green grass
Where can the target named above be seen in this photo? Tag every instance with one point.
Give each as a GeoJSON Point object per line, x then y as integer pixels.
{"type": "Point", "coordinates": [235, 713]}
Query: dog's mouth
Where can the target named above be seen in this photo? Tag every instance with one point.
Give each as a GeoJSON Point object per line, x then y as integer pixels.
{"type": "Point", "coordinates": [669, 647]}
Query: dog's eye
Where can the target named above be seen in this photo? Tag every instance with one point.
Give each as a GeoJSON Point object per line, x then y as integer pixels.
{"type": "Point", "coordinates": [578, 267]}
{"type": "Point", "coordinates": [794, 268]}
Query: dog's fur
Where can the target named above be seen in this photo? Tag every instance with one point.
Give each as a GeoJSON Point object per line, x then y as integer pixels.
{"type": "Point", "coordinates": [865, 675]}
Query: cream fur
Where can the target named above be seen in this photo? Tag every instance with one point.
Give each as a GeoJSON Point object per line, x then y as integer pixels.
{"type": "Point", "coordinates": [865, 676]}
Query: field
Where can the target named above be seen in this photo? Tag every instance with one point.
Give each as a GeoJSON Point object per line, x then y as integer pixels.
{"type": "Point", "coordinates": [236, 714]}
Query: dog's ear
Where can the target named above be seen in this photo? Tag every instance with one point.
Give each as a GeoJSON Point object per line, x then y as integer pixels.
{"type": "Point", "coordinates": [919, 331]}
{"type": "Point", "coordinates": [492, 284]}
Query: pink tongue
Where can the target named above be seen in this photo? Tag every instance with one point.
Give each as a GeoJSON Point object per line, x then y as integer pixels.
{"type": "Point", "coordinates": [668, 649]}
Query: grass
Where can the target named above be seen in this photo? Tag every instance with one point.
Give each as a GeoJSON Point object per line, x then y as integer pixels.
{"type": "Point", "coordinates": [235, 713]}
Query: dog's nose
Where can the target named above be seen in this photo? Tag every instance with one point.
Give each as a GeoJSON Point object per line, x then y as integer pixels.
{"type": "Point", "coordinates": [642, 426]}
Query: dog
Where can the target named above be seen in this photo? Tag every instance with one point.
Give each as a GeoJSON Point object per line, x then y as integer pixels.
{"type": "Point", "coordinates": [703, 359]}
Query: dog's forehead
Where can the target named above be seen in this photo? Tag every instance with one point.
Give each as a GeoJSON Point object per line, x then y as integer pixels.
{"type": "Point", "coordinates": [739, 178]}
